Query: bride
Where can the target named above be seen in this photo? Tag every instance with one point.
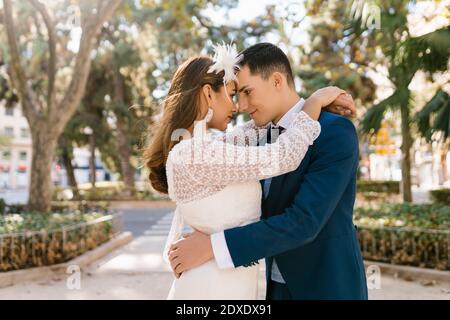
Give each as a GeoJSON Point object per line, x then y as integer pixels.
{"type": "Point", "coordinates": [214, 179]}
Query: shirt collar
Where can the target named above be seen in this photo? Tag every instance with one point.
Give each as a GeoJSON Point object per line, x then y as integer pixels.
{"type": "Point", "coordinates": [287, 118]}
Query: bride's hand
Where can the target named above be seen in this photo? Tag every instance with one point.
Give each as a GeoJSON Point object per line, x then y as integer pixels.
{"type": "Point", "coordinates": [191, 251]}
{"type": "Point", "coordinates": [333, 99]}
{"type": "Point", "coordinates": [343, 105]}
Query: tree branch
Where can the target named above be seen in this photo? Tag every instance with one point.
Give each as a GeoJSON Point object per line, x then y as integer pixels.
{"type": "Point", "coordinates": [91, 28]}
{"type": "Point", "coordinates": [52, 47]}
{"type": "Point", "coordinates": [18, 75]}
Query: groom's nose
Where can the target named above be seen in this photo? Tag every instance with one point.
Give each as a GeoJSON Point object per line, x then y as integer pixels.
{"type": "Point", "coordinates": [243, 105]}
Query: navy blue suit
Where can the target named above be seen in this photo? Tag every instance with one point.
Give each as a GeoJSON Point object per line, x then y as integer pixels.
{"type": "Point", "coordinates": [307, 221]}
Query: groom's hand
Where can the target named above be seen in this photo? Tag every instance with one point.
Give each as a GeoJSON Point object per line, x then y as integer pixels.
{"type": "Point", "coordinates": [193, 250]}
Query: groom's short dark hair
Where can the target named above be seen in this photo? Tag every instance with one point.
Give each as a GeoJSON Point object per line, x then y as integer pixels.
{"type": "Point", "coordinates": [264, 59]}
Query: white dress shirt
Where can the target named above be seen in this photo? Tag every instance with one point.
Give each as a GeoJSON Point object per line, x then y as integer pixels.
{"type": "Point", "coordinates": [219, 245]}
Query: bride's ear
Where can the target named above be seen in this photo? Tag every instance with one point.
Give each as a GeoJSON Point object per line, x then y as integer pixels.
{"type": "Point", "coordinates": [207, 92]}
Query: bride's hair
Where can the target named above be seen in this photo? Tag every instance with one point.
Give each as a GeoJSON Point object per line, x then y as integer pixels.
{"type": "Point", "coordinates": [181, 109]}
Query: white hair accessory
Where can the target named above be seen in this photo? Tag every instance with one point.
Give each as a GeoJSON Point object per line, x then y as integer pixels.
{"type": "Point", "coordinates": [226, 58]}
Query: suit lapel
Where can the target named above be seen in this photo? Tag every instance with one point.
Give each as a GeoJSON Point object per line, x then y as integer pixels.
{"type": "Point", "coordinates": [276, 186]}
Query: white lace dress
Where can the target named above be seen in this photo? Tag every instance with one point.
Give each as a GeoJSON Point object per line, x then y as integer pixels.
{"type": "Point", "coordinates": [215, 184]}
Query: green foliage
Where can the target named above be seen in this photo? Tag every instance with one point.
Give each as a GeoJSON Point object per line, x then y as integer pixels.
{"type": "Point", "coordinates": [334, 56]}
{"type": "Point", "coordinates": [404, 55]}
{"type": "Point", "coordinates": [441, 196]}
{"type": "Point", "coordinates": [405, 247]}
{"type": "Point", "coordinates": [2, 206]}
{"type": "Point", "coordinates": [425, 216]}
{"type": "Point", "coordinates": [15, 223]}
{"type": "Point", "coordinates": [435, 116]}
{"type": "Point", "coordinates": [378, 186]}
{"type": "Point", "coordinates": [407, 234]}
{"type": "Point", "coordinates": [63, 207]}
{"type": "Point", "coordinates": [111, 193]}
{"type": "Point", "coordinates": [33, 240]}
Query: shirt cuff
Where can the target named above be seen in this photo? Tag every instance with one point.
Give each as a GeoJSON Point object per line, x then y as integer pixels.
{"type": "Point", "coordinates": [221, 252]}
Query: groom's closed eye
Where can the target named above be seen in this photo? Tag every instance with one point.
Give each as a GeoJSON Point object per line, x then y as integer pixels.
{"type": "Point", "coordinates": [245, 89]}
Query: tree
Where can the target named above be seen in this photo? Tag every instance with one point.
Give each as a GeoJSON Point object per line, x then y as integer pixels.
{"type": "Point", "coordinates": [434, 124]}
{"type": "Point", "coordinates": [332, 56]}
{"type": "Point", "coordinates": [48, 111]}
{"type": "Point", "coordinates": [405, 55]}
{"type": "Point", "coordinates": [138, 52]}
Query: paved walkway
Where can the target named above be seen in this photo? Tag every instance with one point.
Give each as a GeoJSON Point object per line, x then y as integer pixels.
{"type": "Point", "coordinates": [137, 271]}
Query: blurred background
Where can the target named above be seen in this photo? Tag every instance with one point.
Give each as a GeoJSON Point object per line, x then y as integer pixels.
{"type": "Point", "coordinates": [82, 81]}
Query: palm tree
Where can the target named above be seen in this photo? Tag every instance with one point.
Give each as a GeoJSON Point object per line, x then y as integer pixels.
{"type": "Point", "coordinates": [434, 124]}
{"type": "Point", "coordinates": [405, 56]}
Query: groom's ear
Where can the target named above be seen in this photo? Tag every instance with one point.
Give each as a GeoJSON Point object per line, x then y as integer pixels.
{"type": "Point", "coordinates": [277, 79]}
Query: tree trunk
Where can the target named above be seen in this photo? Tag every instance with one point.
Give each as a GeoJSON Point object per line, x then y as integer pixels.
{"type": "Point", "coordinates": [122, 139]}
{"type": "Point", "coordinates": [67, 161]}
{"type": "Point", "coordinates": [40, 187]}
{"type": "Point", "coordinates": [406, 152]}
{"type": "Point", "coordinates": [92, 164]}
{"type": "Point", "coordinates": [443, 150]}
{"type": "Point", "coordinates": [124, 153]}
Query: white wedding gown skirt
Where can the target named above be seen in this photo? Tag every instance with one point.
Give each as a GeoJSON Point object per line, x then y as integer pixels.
{"type": "Point", "coordinates": [235, 205]}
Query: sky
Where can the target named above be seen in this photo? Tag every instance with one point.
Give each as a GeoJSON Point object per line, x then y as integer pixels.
{"type": "Point", "coordinates": [245, 11]}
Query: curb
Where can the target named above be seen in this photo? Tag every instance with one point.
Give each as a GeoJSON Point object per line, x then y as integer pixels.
{"type": "Point", "coordinates": [11, 278]}
{"type": "Point", "coordinates": [410, 273]}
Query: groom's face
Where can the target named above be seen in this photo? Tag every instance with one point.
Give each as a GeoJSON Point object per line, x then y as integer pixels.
{"type": "Point", "coordinates": [257, 97]}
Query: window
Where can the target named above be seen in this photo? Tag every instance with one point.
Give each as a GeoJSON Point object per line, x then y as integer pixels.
{"type": "Point", "coordinates": [9, 111]}
{"type": "Point", "coordinates": [9, 131]}
{"type": "Point", "coordinates": [24, 133]}
{"type": "Point", "coordinates": [23, 155]}
{"type": "Point", "coordinates": [6, 155]}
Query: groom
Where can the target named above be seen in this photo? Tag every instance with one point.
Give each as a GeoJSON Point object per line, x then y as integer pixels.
{"type": "Point", "coordinates": [306, 231]}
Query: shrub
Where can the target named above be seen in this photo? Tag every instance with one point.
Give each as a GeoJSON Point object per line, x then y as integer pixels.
{"type": "Point", "coordinates": [441, 196]}
{"type": "Point", "coordinates": [34, 239]}
{"type": "Point", "coordinates": [407, 234]}
{"type": "Point", "coordinates": [64, 207]}
{"type": "Point", "coordinates": [109, 193]}
{"type": "Point", "coordinates": [2, 206]}
{"type": "Point", "coordinates": [378, 186]}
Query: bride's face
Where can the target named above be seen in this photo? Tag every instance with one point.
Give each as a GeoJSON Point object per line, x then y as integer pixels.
{"type": "Point", "coordinates": [222, 103]}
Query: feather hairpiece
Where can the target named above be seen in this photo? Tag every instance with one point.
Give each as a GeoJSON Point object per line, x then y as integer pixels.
{"type": "Point", "coordinates": [226, 58]}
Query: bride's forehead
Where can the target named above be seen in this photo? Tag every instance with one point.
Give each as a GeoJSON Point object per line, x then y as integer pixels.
{"type": "Point", "coordinates": [232, 85]}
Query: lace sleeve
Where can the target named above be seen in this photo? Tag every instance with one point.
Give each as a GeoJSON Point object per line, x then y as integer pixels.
{"type": "Point", "coordinates": [213, 162]}
{"type": "Point", "coordinates": [247, 134]}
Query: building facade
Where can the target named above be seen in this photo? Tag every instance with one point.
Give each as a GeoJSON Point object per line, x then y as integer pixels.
{"type": "Point", "coordinates": [15, 150]}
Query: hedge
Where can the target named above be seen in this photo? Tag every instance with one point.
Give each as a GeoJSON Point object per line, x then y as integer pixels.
{"type": "Point", "coordinates": [405, 234]}
{"type": "Point", "coordinates": [33, 239]}
{"type": "Point", "coordinates": [109, 193]}
{"type": "Point", "coordinates": [441, 196]}
{"type": "Point", "coordinates": [62, 207]}
{"type": "Point", "coordinates": [378, 186]}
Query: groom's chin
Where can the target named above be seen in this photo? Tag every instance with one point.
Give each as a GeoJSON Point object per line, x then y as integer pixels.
{"type": "Point", "coordinates": [260, 123]}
